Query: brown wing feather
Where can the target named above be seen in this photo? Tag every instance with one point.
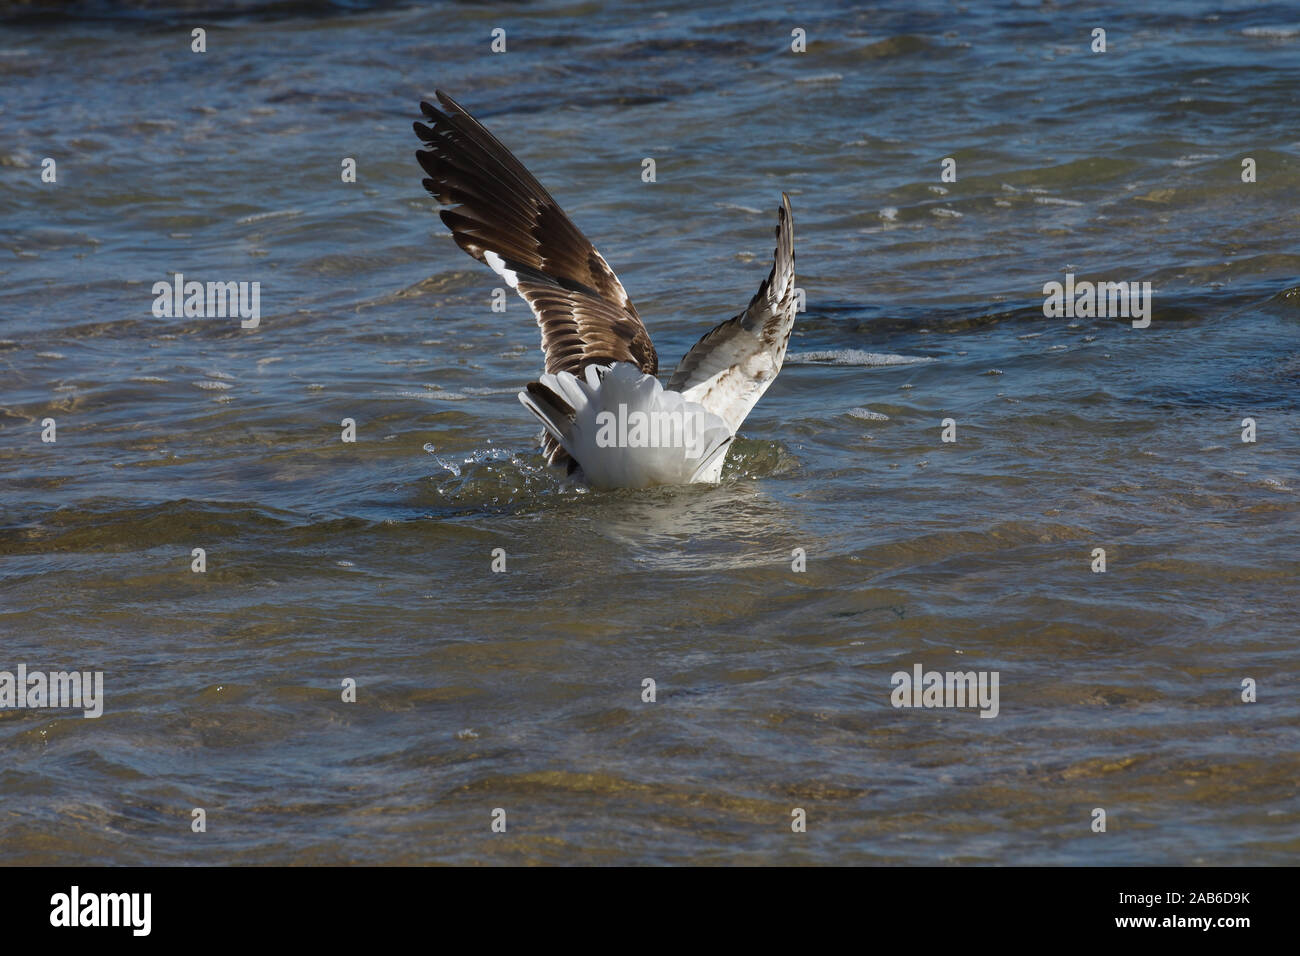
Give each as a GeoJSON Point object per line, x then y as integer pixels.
{"type": "Point", "coordinates": [499, 209]}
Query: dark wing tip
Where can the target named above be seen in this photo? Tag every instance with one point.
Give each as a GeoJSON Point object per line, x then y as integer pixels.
{"type": "Point", "coordinates": [453, 221]}
{"type": "Point", "coordinates": [448, 102]}
{"type": "Point", "coordinates": [428, 161]}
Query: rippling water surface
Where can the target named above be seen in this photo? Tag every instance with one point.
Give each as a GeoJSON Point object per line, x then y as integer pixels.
{"type": "Point", "coordinates": [522, 690]}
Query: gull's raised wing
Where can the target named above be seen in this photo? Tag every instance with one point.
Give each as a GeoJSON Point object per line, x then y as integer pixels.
{"type": "Point", "coordinates": [729, 369]}
{"type": "Point", "coordinates": [503, 217]}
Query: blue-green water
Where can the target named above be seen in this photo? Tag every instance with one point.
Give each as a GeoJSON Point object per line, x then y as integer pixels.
{"type": "Point", "coordinates": [522, 690]}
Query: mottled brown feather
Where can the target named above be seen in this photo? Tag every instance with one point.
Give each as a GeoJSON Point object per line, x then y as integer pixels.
{"type": "Point", "coordinates": [497, 206]}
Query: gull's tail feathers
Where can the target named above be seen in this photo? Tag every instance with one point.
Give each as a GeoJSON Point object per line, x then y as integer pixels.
{"type": "Point", "coordinates": [625, 430]}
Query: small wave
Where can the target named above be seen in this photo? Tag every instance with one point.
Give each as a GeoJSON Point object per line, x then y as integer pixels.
{"type": "Point", "coordinates": [259, 216]}
{"type": "Point", "coordinates": [1272, 33]}
{"type": "Point", "coordinates": [820, 78]}
{"type": "Point", "coordinates": [1193, 158]}
{"type": "Point", "coordinates": [490, 478]}
{"type": "Point", "coordinates": [441, 395]}
{"type": "Point", "coordinates": [853, 357]}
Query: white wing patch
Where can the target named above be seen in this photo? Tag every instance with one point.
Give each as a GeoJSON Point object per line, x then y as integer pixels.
{"type": "Point", "coordinates": [499, 267]}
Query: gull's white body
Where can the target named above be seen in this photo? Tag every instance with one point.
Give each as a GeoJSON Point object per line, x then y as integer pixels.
{"type": "Point", "coordinates": [610, 394]}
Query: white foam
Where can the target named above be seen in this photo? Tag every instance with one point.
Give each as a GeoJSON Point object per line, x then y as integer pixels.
{"type": "Point", "coordinates": [1192, 158]}
{"type": "Point", "coordinates": [439, 396]}
{"type": "Point", "coordinates": [867, 414]}
{"type": "Point", "coordinates": [853, 357]}
{"type": "Point", "coordinates": [1274, 33]}
{"type": "Point", "coordinates": [258, 217]}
